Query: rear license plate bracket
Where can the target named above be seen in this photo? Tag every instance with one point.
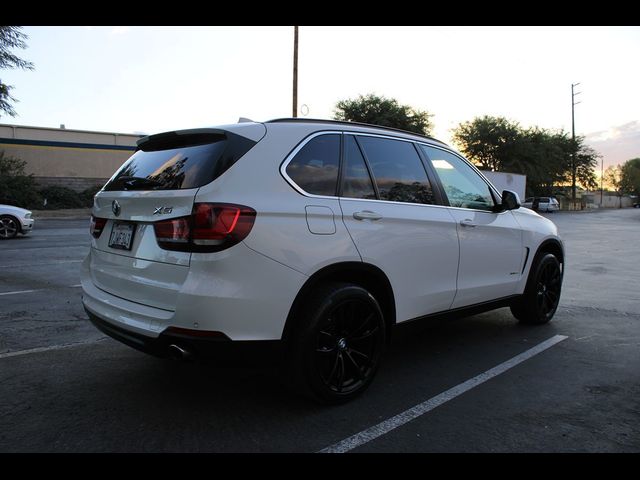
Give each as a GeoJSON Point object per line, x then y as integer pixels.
{"type": "Point", "coordinates": [122, 235]}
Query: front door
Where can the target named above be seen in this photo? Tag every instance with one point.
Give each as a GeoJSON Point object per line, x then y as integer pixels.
{"type": "Point", "coordinates": [491, 250]}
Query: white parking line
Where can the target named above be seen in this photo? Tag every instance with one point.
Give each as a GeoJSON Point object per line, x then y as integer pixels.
{"type": "Point", "coordinates": [382, 428]}
{"type": "Point", "coordinates": [58, 262]}
{"type": "Point", "coordinates": [36, 290]}
{"type": "Point", "coordinates": [46, 349]}
{"type": "Point", "coordinates": [18, 292]}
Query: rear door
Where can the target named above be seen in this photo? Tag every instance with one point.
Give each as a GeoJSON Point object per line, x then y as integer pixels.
{"type": "Point", "coordinates": [159, 182]}
{"type": "Point", "coordinates": [491, 250]}
{"type": "Point", "coordinates": [389, 207]}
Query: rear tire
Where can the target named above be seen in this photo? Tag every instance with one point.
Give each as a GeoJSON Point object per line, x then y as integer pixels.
{"type": "Point", "coordinates": [337, 343]}
{"type": "Point", "coordinates": [9, 227]}
{"type": "Point", "coordinates": [541, 296]}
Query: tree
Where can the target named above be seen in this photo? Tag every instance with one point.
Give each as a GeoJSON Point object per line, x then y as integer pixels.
{"type": "Point", "coordinates": [384, 111]}
{"type": "Point", "coordinates": [11, 37]}
{"type": "Point", "coordinates": [16, 188]}
{"type": "Point", "coordinates": [547, 158]}
{"type": "Point", "coordinates": [489, 141]}
{"type": "Point", "coordinates": [630, 176]}
{"type": "Point", "coordinates": [613, 179]}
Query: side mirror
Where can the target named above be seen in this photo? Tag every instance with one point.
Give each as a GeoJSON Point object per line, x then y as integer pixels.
{"type": "Point", "coordinates": [510, 200]}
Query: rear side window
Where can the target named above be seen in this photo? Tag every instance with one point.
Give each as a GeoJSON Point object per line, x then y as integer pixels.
{"type": "Point", "coordinates": [544, 199]}
{"type": "Point", "coordinates": [176, 162]}
{"type": "Point", "coordinates": [315, 167]}
{"type": "Point", "coordinates": [356, 182]}
{"type": "Point", "coordinates": [397, 170]}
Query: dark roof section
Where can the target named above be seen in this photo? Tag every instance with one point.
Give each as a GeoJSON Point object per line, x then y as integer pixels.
{"type": "Point", "coordinates": [341, 122]}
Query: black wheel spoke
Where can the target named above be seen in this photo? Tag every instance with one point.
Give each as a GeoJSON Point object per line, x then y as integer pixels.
{"type": "Point", "coordinates": [340, 384]}
{"type": "Point", "coordinates": [334, 369]}
{"type": "Point", "coordinates": [325, 350]}
{"type": "Point", "coordinates": [366, 358]}
{"type": "Point", "coordinates": [366, 335]}
{"type": "Point", "coordinates": [356, 367]}
{"type": "Point", "coordinates": [364, 323]}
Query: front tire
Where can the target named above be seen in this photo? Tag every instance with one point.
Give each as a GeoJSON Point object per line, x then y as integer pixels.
{"type": "Point", "coordinates": [9, 227]}
{"type": "Point", "coordinates": [541, 296]}
{"type": "Point", "coordinates": [337, 344]}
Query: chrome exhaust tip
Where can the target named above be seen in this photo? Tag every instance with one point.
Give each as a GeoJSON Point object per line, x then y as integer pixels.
{"type": "Point", "coordinates": [179, 353]}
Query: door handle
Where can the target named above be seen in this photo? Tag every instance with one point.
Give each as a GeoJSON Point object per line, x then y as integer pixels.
{"type": "Point", "coordinates": [366, 215]}
{"type": "Point", "coordinates": [467, 223]}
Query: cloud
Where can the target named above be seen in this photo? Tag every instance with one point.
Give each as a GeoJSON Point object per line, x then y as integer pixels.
{"type": "Point", "coordinates": [617, 144]}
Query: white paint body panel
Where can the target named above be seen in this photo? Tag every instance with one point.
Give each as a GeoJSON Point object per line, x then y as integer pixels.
{"type": "Point", "coordinates": [417, 248]}
{"type": "Point", "coordinates": [491, 255]}
{"type": "Point", "coordinates": [247, 291]}
{"type": "Point", "coordinates": [21, 214]}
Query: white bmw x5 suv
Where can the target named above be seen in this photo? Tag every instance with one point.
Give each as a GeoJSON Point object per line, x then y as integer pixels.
{"type": "Point", "coordinates": [310, 239]}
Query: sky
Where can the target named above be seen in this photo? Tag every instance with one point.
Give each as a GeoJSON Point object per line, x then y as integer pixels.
{"type": "Point", "coordinates": [154, 79]}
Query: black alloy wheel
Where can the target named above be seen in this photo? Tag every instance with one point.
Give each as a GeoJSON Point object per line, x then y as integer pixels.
{"type": "Point", "coordinates": [347, 346]}
{"type": "Point", "coordinates": [337, 347]}
{"type": "Point", "coordinates": [540, 300]}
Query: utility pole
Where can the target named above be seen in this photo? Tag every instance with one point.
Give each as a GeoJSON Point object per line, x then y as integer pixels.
{"type": "Point", "coordinates": [573, 138]}
{"type": "Point", "coordinates": [295, 71]}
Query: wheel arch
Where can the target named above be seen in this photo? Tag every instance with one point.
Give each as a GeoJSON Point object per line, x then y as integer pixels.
{"type": "Point", "coordinates": [552, 246]}
{"type": "Point", "coordinates": [365, 275]}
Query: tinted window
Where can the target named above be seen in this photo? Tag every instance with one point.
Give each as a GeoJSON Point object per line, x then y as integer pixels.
{"type": "Point", "coordinates": [463, 186]}
{"type": "Point", "coordinates": [356, 182]}
{"type": "Point", "coordinates": [397, 170]}
{"type": "Point", "coordinates": [175, 162]}
{"type": "Point", "coordinates": [315, 166]}
{"type": "Point", "coordinates": [544, 199]}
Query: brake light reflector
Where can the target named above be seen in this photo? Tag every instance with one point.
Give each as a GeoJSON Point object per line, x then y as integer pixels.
{"type": "Point", "coordinates": [211, 227]}
{"type": "Point", "coordinates": [96, 226]}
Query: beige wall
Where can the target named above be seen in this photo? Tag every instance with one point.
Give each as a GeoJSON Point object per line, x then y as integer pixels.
{"type": "Point", "coordinates": [67, 161]}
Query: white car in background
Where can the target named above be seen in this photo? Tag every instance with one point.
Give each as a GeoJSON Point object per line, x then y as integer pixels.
{"type": "Point", "coordinates": [545, 204]}
{"type": "Point", "coordinates": [313, 237]}
{"type": "Point", "coordinates": [14, 220]}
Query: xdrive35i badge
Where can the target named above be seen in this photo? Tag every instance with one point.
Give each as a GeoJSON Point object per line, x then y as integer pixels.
{"type": "Point", "coordinates": [162, 210]}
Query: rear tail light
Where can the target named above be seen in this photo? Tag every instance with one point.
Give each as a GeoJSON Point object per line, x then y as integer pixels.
{"type": "Point", "coordinates": [211, 227]}
{"type": "Point", "coordinates": [96, 226]}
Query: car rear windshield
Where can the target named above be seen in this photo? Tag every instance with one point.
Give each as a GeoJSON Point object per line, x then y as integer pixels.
{"type": "Point", "coordinates": [178, 161]}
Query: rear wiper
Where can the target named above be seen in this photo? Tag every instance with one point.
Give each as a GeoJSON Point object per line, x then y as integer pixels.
{"type": "Point", "coordinates": [133, 182]}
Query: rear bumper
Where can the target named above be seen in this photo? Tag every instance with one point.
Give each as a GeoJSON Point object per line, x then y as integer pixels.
{"type": "Point", "coordinates": [217, 350]}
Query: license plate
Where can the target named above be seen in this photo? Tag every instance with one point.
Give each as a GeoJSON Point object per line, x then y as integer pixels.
{"type": "Point", "coordinates": [122, 235]}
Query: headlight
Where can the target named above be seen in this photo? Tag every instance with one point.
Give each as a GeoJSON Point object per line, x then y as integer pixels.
{"type": "Point", "coordinates": [28, 215]}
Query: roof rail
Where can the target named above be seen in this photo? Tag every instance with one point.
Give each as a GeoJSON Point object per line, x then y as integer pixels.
{"type": "Point", "coordinates": [343, 122]}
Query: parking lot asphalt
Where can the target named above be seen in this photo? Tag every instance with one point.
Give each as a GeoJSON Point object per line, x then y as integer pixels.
{"type": "Point", "coordinates": [64, 387]}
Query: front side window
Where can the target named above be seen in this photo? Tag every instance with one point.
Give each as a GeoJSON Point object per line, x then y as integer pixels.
{"type": "Point", "coordinates": [356, 182]}
{"type": "Point", "coordinates": [397, 170]}
{"type": "Point", "coordinates": [315, 167]}
{"type": "Point", "coordinates": [463, 186]}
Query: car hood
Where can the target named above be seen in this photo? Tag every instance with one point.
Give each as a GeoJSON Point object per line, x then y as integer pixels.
{"type": "Point", "coordinates": [14, 210]}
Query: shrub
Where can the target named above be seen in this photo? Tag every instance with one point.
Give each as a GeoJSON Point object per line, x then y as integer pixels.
{"type": "Point", "coordinates": [61, 197]}
{"type": "Point", "coordinates": [88, 194]}
{"type": "Point", "coordinates": [17, 188]}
